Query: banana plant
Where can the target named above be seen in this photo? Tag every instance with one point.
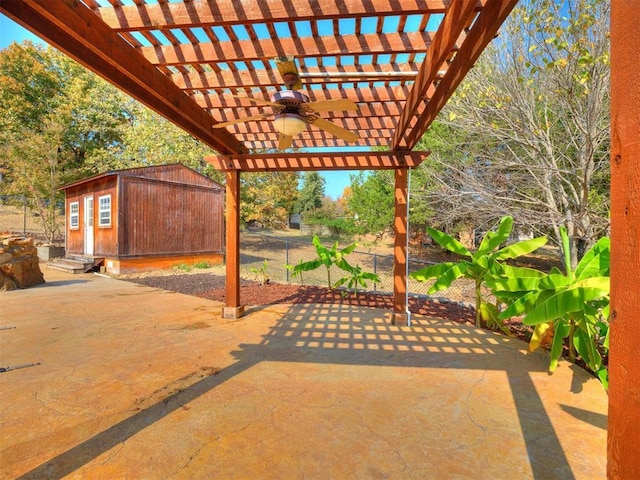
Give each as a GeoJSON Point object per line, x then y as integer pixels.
{"type": "Point", "coordinates": [572, 306]}
{"type": "Point", "coordinates": [356, 277]}
{"type": "Point", "coordinates": [480, 266]}
{"type": "Point", "coordinates": [326, 257]}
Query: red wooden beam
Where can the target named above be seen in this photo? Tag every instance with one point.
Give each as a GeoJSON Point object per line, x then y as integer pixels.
{"type": "Point", "coordinates": [458, 17]}
{"type": "Point", "coordinates": [623, 437]}
{"type": "Point", "coordinates": [318, 161]}
{"type": "Point", "coordinates": [232, 308]}
{"type": "Point", "coordinates": [74, 29]}
{"type": "Point", "coordinates": [483, 31]}
{"type": "Point", "coordinates": [400, 315]}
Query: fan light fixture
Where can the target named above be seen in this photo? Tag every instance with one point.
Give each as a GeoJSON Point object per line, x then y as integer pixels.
{"type": "Point", "coordinates": [289, 124]}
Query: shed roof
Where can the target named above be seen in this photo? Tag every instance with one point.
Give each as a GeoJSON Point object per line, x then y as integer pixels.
{"type": "Point", "coordinates": [174, 172]}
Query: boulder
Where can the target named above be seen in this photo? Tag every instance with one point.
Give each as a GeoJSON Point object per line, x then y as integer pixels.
{"type": "Point", "coordinates": [19, 263]}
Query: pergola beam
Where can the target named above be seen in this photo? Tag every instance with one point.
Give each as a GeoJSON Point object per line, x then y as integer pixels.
{"type": "Point", "coordinates": [458, 17]}
{"type": "Point", "coordinates": [484, 30]}
{"type": "Point", "coordinates": [282, 162]}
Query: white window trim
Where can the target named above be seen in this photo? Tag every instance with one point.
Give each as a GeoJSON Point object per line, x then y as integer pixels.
{"type": "Point", "coordinates": [100, 211]}
{"type": "Point", "coordinates": [75, 216]}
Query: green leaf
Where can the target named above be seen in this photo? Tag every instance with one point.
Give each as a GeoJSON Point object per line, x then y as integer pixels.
{"type": "Point", "coordinates": [562, 303]}
{"type": "Point", "coordinates": [565, 249]}
{"type": "Point", "coordinates": [521, 305]}
{"type": "Point", "coordinates": [596, 262]}
{"type": "Point", "coordinates": [448, 242]}
{"type": "Point", "coordinates": [516, 284]}
{"type": "Point", "coordinates": [493, 239]}
{"type": "Point", "coordinates": [553, 281]}
{"type": "Point", "coordinates": [520, 248]}
{"type": "Point", "coordinates": [561, 330]}
{"type": "Point", "coordinates": [431, 271]}
{"type": "Point", "coordinates": [446, 279]}
{"type": "Point", "coordinates": [510, 271]}
{"type": "Point", "coordinates": [490, 315]}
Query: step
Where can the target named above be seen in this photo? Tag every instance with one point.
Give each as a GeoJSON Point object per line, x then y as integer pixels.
{"type": "Point", "coordinates": [74, 264]}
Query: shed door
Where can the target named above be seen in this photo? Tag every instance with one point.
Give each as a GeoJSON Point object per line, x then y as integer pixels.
{"type": "Point", "coordinates": [88, 225]}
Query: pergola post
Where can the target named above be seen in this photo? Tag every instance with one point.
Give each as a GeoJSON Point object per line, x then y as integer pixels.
{"type": "Point", "coordinates": [400, 315]}
{"type": "Point", "coordinates": [623, 438]}
{"type": "Point", "coordinates": [232, 308]}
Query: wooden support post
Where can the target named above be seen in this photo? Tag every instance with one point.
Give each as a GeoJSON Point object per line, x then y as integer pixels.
{"type": "Point", "coordinates": [232, 308]}
{"type": "Point", "coordinates": [623, 436]}
{"type": "Point", "coordinates": [399, 316]}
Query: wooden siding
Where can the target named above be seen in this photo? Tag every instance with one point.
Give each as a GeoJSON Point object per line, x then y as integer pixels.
{"type": "Point", "coordinates": [104, 237]}
{"type": "Point", "coordinates": [160, 217]}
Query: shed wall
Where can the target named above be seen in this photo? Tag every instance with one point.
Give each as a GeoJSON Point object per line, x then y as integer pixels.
{"type": "Point", "coordinates": [159, 218]}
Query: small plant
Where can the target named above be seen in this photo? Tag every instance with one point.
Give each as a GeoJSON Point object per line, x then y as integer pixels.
{"type": "Point", "coordinates": [296, 271]}
{"type": "Point", "coordinates": [326, 257]}
{"type": "Point", "coordinates": [260, 273]}
{"type": "Point", "coordinates": [202, 264]}
{"type": "Point", "coordinates": [183, 266]}
{"type": "Point", "coordinates": [356, 276]}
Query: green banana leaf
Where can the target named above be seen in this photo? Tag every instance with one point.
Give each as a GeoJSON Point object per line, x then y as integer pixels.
{"type": "Point", "coordinates": [493, 239]}
{"type": "Point", "coordinates": [561, 331]}
{"type": "Point", "coordinates": [520, 248]}
{"type": "Point", "coordinates": [596, 261]}
{"type": "Point", "coordinates": [446, 279]}
{"type": "Point", "coordinates": [562, 303]}
{"type": "Point", "coordinates": [448, 242]}
{"type": "Point", "coordinates": [432, 271]}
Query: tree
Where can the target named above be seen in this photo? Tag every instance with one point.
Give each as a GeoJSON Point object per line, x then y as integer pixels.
{"type": "Point", "coordinates": [532, 120]}
{"type": "Point", "coordinates": [372, 201]}
{"type": "Point", "coordinates": [150, 139]}
{"type": "Point", "coordinates": [268, 198]}
{"type": "Point", "coordinates": [55, 114]}
{"type": "Point", "coordinates": [311, 193]}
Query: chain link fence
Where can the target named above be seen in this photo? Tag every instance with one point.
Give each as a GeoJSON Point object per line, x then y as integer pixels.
{"type": "Point", "coordinates": [278, 252]}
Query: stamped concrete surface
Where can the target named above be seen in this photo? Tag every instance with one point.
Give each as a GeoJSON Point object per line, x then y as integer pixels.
{"type": "Point", "coordinates": [138, 383]}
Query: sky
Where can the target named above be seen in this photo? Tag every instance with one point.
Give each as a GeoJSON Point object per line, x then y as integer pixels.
{"type": "Point", "coordinates": [335, 181]}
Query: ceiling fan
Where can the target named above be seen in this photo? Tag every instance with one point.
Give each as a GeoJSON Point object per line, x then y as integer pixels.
{"type": "Point", "coordinates": [293, 112]}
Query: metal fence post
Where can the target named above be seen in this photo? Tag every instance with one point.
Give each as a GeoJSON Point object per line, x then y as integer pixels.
{"type": "Point", "coordinates": [375, 270]}
{"type": "Point", "coordinates": [286, 250]}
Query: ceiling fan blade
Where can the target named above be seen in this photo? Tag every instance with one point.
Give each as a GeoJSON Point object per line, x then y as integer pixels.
{"type": "Point", "coordinates": [259, 101]}
{"type": "Point", "coordinates": [340, 104]}
{"type": "Point", "coordinates": [284, 141]}
{"type": "Point", "coordinates": [242, 120]}
{"type": "Point", "coordinates": [336, 130]}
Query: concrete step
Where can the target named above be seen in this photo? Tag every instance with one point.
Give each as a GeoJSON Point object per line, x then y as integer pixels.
{"type": "Point", "coordinates": [74, 264]}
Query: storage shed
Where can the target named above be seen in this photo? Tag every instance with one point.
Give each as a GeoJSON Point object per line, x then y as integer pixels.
{"type": "Point", "coordinates": [144, 218]}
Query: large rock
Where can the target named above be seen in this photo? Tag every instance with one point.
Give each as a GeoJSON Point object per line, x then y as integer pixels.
{"type": "Point", "coordinates": [19, 264]}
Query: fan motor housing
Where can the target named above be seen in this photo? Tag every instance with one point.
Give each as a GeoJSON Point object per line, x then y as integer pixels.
{"type": "Point", "coordinates": [290, 100]}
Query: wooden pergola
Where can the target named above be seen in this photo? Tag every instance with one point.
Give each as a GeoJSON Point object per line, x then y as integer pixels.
{"type": "Point", "coordinates": [399, 62]}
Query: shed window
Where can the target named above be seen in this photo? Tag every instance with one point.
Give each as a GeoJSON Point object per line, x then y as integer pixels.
{"type": "Point", "coordinates": [74, 215]}
{"type": "Point", "coordinates": [104, 203]}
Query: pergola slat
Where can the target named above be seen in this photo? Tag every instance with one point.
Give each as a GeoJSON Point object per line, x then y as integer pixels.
{"type": "Point", "coordinates": [203, 13]}
{"type": "Point", "coordinates": [247, 50]}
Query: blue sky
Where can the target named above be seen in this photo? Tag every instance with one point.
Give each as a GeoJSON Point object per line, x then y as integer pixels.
{"type": "Point", "coordinates": [335, 181]}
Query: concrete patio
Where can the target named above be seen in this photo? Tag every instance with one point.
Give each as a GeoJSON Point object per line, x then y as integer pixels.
{"type": "Point", "coordinates": [136, 382]}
